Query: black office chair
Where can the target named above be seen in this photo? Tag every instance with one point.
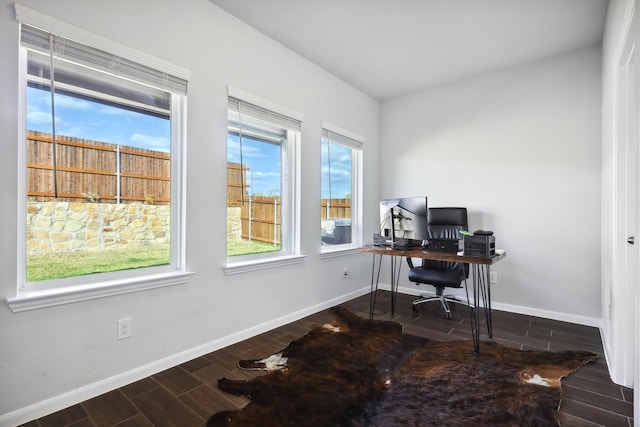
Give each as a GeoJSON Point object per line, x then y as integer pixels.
{"type": "Point", "coordinates": [443, 223]}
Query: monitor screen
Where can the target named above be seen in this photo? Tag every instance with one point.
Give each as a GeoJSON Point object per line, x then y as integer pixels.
{"type": "Point", "coordinates": [409, 218]}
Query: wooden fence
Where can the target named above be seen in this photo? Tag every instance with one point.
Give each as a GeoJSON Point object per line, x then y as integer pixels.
{"type": "Point", "coordinates": [261, 216]}
{"type": "Point", "coordinates": [261, 220]}
{"type": "Point", "coordinates": [335, 208]}
{"type": "Point", "coordinates": [95, 171]}
{"type": "Point", "coordinates": [236, 183]}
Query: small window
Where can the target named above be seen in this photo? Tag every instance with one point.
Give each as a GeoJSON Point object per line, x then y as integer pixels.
{"type": "Point", "coordinates": [341, 177]}
{"type": "Point", "coordinates": [102, 140]}
{"type": "Point", "coordinates": [262, 176]}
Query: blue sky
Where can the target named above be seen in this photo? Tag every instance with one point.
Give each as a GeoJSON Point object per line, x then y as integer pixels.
{"type": "Point", "coordinates": [340, 167]}
{"type": "Point", "coordinates": [263, 161]}
{"type": "Point", "coordinates": [84, 119]}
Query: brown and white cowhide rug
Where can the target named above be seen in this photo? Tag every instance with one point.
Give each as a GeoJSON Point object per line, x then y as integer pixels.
{"type": "Point", "coordinates": [351, 373]}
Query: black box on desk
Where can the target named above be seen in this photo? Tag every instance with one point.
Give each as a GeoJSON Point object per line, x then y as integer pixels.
{"type": "Point", "coordinates": [481, 246]}
{"type": "Point", "coordinates": [444, 245]}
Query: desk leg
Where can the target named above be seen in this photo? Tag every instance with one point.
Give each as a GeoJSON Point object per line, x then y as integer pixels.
{"type": "Point", "coordinates": [396, 266]}
{"type": "Point", "coordinates": [474, 311]}
{"type": "Point", "coordinates": [485, 283]}
{"type": "Point", "coordinates": [373, 293]}
{"type": "Point", "coordinates": [481, 288]}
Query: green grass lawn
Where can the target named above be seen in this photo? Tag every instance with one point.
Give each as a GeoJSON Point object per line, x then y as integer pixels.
{"type": "Point", "coordinates": [246, 247]}
{"type": "Point", "coordinates": [60, 265]}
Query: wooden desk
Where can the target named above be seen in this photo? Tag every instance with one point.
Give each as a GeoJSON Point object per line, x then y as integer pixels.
{"type": "Point", "coordinates": [481, 278]}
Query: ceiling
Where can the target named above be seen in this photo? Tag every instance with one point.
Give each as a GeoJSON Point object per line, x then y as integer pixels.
{"type": "Point", "coordinates": [390, 48]}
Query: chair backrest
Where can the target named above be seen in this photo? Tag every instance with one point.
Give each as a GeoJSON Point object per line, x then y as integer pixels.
{"type": "Point", "coordinates": [446, 223]}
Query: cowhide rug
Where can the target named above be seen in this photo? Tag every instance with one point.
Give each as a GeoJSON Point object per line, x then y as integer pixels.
{"type": "Point", "coordinates": [350, 373]}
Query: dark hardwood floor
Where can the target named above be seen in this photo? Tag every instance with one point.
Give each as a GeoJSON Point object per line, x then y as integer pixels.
{"type": "Point", "coordinates": [186, 395]}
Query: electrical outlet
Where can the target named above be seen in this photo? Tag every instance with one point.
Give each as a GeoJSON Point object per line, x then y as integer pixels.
{"type": "Point", "coordinates": [493, 278]}
{"type": "Point", "coordinates": [124, 328]}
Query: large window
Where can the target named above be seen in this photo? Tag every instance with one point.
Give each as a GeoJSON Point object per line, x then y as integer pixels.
{"type": "Point", "coordinates": [103, 142]}
{"type": "Point", "coordinates": [262, 180]}
{"type": "Point", "coordinates": [341, 181]}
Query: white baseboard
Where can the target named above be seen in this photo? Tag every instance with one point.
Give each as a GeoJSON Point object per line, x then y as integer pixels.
{"type": "Point", "coordinates": [547, 314]}
{"type": "Point", "coordinates": [512, 308]}
{"type": "Point", "coordinates": [73, 397]}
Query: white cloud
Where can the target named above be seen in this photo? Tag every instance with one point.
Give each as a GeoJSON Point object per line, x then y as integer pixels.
{"type": "Point", "coordinates": [265, 174]}
{"type": "Point", "coordinates": [247, 150]}
{"type": "Point", "coordinates": [150, 142]}
{"type": "Point", "coordinates": [112, 111]}
{"type": "Point", "coordinates": [73, 103]}
{"type": "Point", "coordinates": [38, 118]}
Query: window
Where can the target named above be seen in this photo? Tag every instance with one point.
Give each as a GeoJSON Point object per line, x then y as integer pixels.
{"type": "Point", "coordinates": [341, 179]}
{"type": "Point", "coordinates": [262, 181]}
{"type": "Point", "coordinates": [103, 145]}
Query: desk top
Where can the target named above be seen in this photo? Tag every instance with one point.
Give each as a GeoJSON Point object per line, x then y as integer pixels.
{"type": "Point", "coordinates": [431, 255]}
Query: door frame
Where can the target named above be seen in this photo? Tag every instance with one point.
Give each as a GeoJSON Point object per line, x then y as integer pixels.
{"type": "Point", "coordinates": [625, 292]}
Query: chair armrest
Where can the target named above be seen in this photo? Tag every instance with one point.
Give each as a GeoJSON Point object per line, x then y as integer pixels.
{"type": "Point", "coordinates": [410, 262]}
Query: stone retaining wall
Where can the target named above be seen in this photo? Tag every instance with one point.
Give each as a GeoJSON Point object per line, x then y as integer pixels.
{"type": "Point", "coordinates": [234, 223]}
{"type": "Point", "coordinates": [81, 226]}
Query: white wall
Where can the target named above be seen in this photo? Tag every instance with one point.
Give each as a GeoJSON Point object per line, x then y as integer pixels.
{"type": "Point", "coordinates": [70, 352]}
{"type": "Point", "coordinates": [521, 150]}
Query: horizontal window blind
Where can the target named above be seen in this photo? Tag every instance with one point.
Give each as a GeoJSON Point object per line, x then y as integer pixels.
{"type": "Point", "coordinates": [69, 50]}
{"type": "Point", "coordinates": [246, 108]}
{"type": "Point", "coordinates": [80, 81]}
{"type": "Point", "coordinates": [341, 139]}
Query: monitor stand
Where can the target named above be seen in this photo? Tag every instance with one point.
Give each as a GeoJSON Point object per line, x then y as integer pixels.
{"type": "Point", "coordinates": [399, 244]}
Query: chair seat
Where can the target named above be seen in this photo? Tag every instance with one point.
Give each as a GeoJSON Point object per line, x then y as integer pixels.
{"type": "Point", "coordinates": [438, 278]}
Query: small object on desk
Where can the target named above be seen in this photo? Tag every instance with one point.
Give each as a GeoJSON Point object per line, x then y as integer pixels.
{"type": "Point", "coordinates": [480, 245]}
{"type": "Point", "coordinates": [444, 245]}
{"type": "Point", "coordinates": [483, 233]}
{"type": "Point", "coordinates": [407, 244]}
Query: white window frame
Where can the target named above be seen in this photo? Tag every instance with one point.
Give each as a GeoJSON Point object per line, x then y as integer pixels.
{"type": "Point", "coordinates": [356, 143]}
{"type": "Point", "coordinates": [290, 198]}
{"type": "Point", "coordinates": [34, 295]}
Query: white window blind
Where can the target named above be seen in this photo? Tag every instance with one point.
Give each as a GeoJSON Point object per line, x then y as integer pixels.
{"type": "Point", "coordinates": [70, 51]}
{"type": "Point", "coordinates": [247, 108]}
{"type": "Point", "coordinates": [341, 139]}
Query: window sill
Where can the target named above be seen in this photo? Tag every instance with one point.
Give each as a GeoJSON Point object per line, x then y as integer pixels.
{"type": "Point", "coordinates": [262, 264]}
{"type": "Point", "coordinates": [31, 300]}
{"type": "Point", "coordinates": [336, 252]}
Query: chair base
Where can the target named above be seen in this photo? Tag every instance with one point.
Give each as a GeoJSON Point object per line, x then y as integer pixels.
{"type": "Point", "coordinates": [444, 301]}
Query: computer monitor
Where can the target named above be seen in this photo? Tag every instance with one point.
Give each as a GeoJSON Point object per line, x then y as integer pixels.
{"type": "Point", "coordinates": [403, 221]}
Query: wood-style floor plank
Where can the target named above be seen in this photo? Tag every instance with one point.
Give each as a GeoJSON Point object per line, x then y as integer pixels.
{"type": "Point", "coordinates": [186, 395]}
{"type": "Point", "coordinates": [162, 409]}
{"type": "Point", "coordinates": [110, 408]}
